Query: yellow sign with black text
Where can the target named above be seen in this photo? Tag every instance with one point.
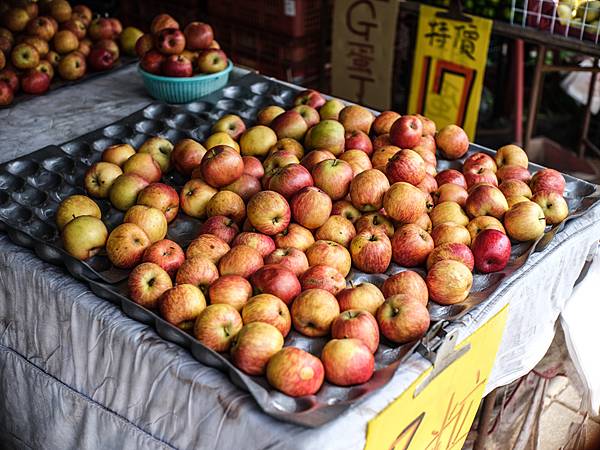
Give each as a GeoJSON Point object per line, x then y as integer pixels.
{"type": "Point", "coordinates": [440, 416]}
{"type": "Point", "coordinates": [448, 69]}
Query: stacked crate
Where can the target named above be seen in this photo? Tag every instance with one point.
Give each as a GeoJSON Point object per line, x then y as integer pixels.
{"type": "Point", "coordinates": [286, 39]}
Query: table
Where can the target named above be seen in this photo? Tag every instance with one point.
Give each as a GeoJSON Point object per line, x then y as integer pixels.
{"type": "Point", "coordinates": [75, 372]}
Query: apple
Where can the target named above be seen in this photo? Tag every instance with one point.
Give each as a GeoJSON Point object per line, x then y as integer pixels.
{"type": "Point", "coordinates": [365, 296]}
{"type": "Point", "coordinates": [450, 232]}
{"type": "Point", "coordinates": [198, 35]}
{"type": "Point", "coordinates": [75, 26]}
{"type": "Point", "coordinates": [491, 250]}
{"type": "Point", "coordinates": [83, 13]}
{"type": "Point", "coordinates": [346, 209]}
{"type": "Point", "coordinates": [311, 207]}
{"type": "Point", "coordinates": [326, 135]}
{"type": "Point", "coordinates": [381, 156]}
{"type": "Point", "coordinates": [60, 10]}
{"type": "Point", "coordinates": [406, 131]}
{"type": "Point", "coordinates": [424, 222]}
{"type": "Point", "coordinates": [261, 242]}
{"type": "Point", "coordinates": [294, 236]}
{"type": "Point", "coordinates": [295, 372]}
{"type": "Point", "coordinates": [323, 277]}
{"type": "Point", "coordinates": [403, 318]}
{"type": "Point", "coordinates": [181, 305]}
{"type": "Point", "coordinates": [9, 76]}
{"type": "Point", "coordinates": [254, 346]}
{"type": "Point", "coordinates": [407, 283]}
{"type": "Point", "coordinates": [198, 271]}
{"type": "Point", "coordinates": [128, 40]}
{"type": "Point", "coordinates": [384, 121]}
{"type": "Point", "coordinates": [194, 197]}
{"type": "Point", "coordinates": [162, 197]}
{"type": "Point", "coordinates": [480, 159]}
{"type": "Point", "coordinates": [547, 180]}
{"type": "Point", "coordinates": [513, 172]}
{"type": "Point", "coordinates": [212, 61]}
{"type": "Point", "coordinates": [231, 124]}
{"type": "Point", "coordinates": [147, 283]}
{"type": "Point", "coordinates": [126, 245]}
{"type": "Point", "coordinates": [245, 186]}
{"type": "Point", "coordinates": [221, 226]}
{"type": "Point", "coordinates": [144, 44]}
{"type": "Point", "coordinates": [406, 166]}
{"type": "Point", "coordinates": [448, 212]}
{"type": "Point", "coordinates": [24, 56]}
{"type": "Point", "coordinates": [186, 155]}
{"type": "Point", "coordinates": [177, 66]}
{"type": "Point", "coordinates": [100, 59]}
{"type": "Point", "coordinates": [371, 251]}
{"type": "Point", "coordinates": [313, 311]}
{"type": "Point", "coordinates": [228, 204]}
{"type": "Point", "coordinates": [288, 145]}
{"type": "Point", "coordinates": [356, 118]}
{"type": "Point", "coordinates": [152, 62]}
{"type": "Point", "coordinates": [404, 202]}
{"type": "Point", "coordinates": [367, 190]}
{"type": "Point", "coordinates": [232, 290]}
{"type": "Point", "coordinates": [358, 140]}
{"type": "Point", "coordinates": [428, 185]}
{"type": "Point", "coordinates": [456, 251]}
{"type": "Point", "coordinates": [330, 254]}
{"type": "Point", "coordinates": [411, 245]}
{"type": "Point", "coordinates": [267, 308]}
{"type": "Point", "coordinates": [331, 109]}
{"type": "Point", "coordinates": [478, 224]}
{"type": "Point", "coordinates": [525, 221]}
{"type": "Point", "coordinates": [429, 127]}
{"type": "Point", "coordinates": [334, 177]}
{"type": "Point", "coordinates": [268, 212]}
{"type": "Point", "coordinates": [15, 19]}
{"type": "Point", "coordinates": [486, 200]}
{"type": "Point", "coordinates": [41, 27]}
{"type": "Point", "coordinates": [511, 155]}
{"type": "Point", "coordinates": [35, 82]}
{"type": "Point", "coordinates": [217, 325]}
{"type": "Point", "coordinates": [65, 41]}
{"type": "Point", "coordinates": [337, 229]}
{"type": "Point", "coordinates": [347, 362]}
{"type": "Point", "coordinates": [39, 44]}
{"type": "Point", "coordinates": [309, 97]}
{"type": "Point", "coordinates": [375, 221]}
{"type": "Point", "coordinates": [143, 165]}
{"type": "Point", "coordinates": [221, 138]}
{"type": "Point", "coordinates": [100, 177]}
{"type": "Point", "coordinates": [314, 157]}
{"type": "Point", "coordinates": [449, 282]}
{"type": "Point", "coordinates": [290, 258]}
{"type": "Point", "coordinates": [84, 236]}
{"type": "Point", "coordinates": [277, 160]}
{"type": "Point", "coordinates": [73, 207]}
{"type": "Point", "coordinates": [380, 141]}
{"type": "Point", "coordinates": [125, 189]}
{"type": "Point", "coordinates": [514, 199]}
{"type": "Point", "coordinates": [452, 141]}
{"type": "Point", "coordinates": [257, 140]}
{"type": "Point", "coordinates": [356, 324]}
{"type": "Point", "coordinates": [266, 115]}
{"type": "Point", "coordinates": [290, 124]}
{"type": "Point", "coordinates": [276, 280]}
{"type": "Point", "coordinates": [290, 179]}
{"type": "Point", "coordinates": [359, 161]}
{"type": "Point", "coordinates": [553, 205]}
{"type": "Point", "coordinates": [241, 260]}
{"type": "Point", "coordinates": [161, 22]}
{"type": "Point", "coordinates": [309, 114]}
{"type": "Point", "coordinates": [478, 174]}
{"type": "Point", "coordinates": [149, 219]}
{"type": "Point", "coordinates": [253, 166]}
{"type": "Point", "coordinates": [514, 187]}
{"type": "Point", "coordinates": [451, 176]}
{"type": "Point", "coordinates": [170, 41]}
{"type": "Point", "coordinates": [166, 254]}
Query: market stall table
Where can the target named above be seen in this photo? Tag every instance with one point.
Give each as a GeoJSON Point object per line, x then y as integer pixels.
{"type": "Point", "coordinates": [77, 373]}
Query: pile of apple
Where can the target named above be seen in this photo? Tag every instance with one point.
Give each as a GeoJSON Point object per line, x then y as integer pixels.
{"type": "Point", "coordinates": [37, 39]}
{"type": "Point", "coordinates": [288, 207]}
{"type": "Point", "coordinates": [171, 52]}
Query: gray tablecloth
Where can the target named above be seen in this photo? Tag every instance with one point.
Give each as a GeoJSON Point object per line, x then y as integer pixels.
{"type": "Point", "coordinates": [76, 373]}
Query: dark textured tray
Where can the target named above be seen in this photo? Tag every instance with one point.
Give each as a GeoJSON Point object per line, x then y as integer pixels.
{"type": "Point", "coordinates": [31, 188]}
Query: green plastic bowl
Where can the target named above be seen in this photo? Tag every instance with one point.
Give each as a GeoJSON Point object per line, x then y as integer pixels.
{"type": "Point", "coordinates": [185, 89]}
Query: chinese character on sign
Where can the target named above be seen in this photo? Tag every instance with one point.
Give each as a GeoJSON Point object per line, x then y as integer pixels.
{"type": "Point", "coordinates": [465, 39]}
{"type": "Point", "coordinates": [438, 33]}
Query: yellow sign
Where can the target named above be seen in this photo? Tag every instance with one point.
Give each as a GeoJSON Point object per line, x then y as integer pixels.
{"type": "Point", "coordinates": [448, 68]}
{"type": "Point", "coordinates": [362, 59]}
{"type": "Point", "coordinates": [440, 416]}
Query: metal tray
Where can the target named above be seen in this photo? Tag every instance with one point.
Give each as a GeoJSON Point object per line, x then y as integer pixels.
{"type": "Point", "coordinates": [31, 187]}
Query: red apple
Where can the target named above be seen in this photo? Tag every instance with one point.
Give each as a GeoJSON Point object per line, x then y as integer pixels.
{"type": "Point", "coordinates": [217, 325]}
{"type": "Point", "coordinates": [478, 174]}
{"type": "Point", "coordinates": [375, 221]}
{"type": "Point", "coordinates": [198, 271]}
{"type": "Point", "coordinates": [276, 280]}
{"type": "Point", "coordinates": [35, 82]}
{"type": "Point", "coordinates": [245, 186]}
{"type": "Point", "coordinates": [177, 66]}
{"type": "Point", "coordinates": [241, 260]}
{"type": "Point", "coordinates": [268, 212]}
{"type": "Point", "coordinates": [384, 121]}
{"type": "Point", "coordinates": [486, 200]}
{"type": "Point", "coordinates": [451, 192]}
{"type": "Point", "coordinates": [346, 209]}
{"type": "Point", "coordinates": [403, 318]}
{"type": "Point", "coordinates": [314, 157]}
{"type": "Point", "coordinates": [452, 250]}
{"type": "Point", "coordinates": [313, 311]}
{"type": "Point", "coordinates": [126, 245]}
{"type": "Point", "coordinates": [289, 257]}
{"type": "Point", "coordinates": [290, 179]}
{"type": "Point", "coordinates": [411, 245]}
{"type": "Point", "coordinates": [254, 346]}
{"type": "Point", "coordinates": [146, 283]}
{"type": "Point", "coordinates": [406, 131]}
{"type": "Point", "coordinates": [407, 283]}
{"type": "Point", "coordinates": [347, 362]}
{"type": "Point", "coordinates": [253, 166]}
{"type": "Point", "coordinates": [181, 305]}
{"type": "Point", "coordinates": [309, 97]}
{"type": "Point", "coordinates": [221, 165]}
{"type": "Point", "coordinates": [337, 229]}
{"type": "Point", "coordinates": [365, 296]}
{"type": "Point", "coordinates": [358, 140]}
{"type": "Point", "coordinates": [547, 180]}
{"type": "Point", "coordinates": [170, 41]}
{"type": "Point", "coordinates": [404, 202]}
{"type": "Point", "coordinates": [152, 62]}
{"type": "Point", "coordinates": [334, 177]}
{"type": "Point", "coordinates": [406, 166]}
{"type": "Point", "coordinates": [491, 250]}
{"type": "Point", "coordinates": [267, 308]}
{"type": "Point", "coordinates": [143, 165]}
{"type": "Point", "coordinates": [357, 324]}
{"type": "Point", "coordinates": [295, 236]}
{"type": "Point", "coordinates": [198, 35]}
{"type": "Point", "coordinates": [481, 160]}
{"type": "Point", "coordinates": [330, 254]}
{"type": "Point", "coordinates": [452, 141]}
{"type": "Point", "coordinates": [358, 160]}
{"type": "Point", "coordinates": [513, 172]}
{"type": "Point", "coordinates": [295, 372]}
{"type": "Point", "coordinates": [371, 251]}
{"type": "Point", "coordinates": [261, 242]}
{"type": "Point", "coordinates": [449, 282]}
{"type": "Point", "coordinates": [221, 226]}
{"type": "Point", "coordinates": [232, 290]}
{"type": "Point", "coordinates": [310, 207]}
{"type": "Point", "coordinates": [451, 176]}
{"type": "Point", "coordinates": [162, 197]}
{"type": "Point", "coordinates": [367, 190]}
{"type": "Point", "coordinates": [323, 277]}
{"type": "Point", "coordinates": [166, 254]}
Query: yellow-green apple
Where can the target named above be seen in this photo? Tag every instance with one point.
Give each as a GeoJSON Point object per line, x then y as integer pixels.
{"type": "Point", "coordinates": [326, 135]}
{"type": "Point", "coordinates": [309, 97]}
{"type": "Point", "coordinates": [41, 27]}
{"type": "Point", "coordinates": [452, 141]}
{"type": "Point", "coordinates": [129, 38]}
{"type": "Point", "coordinates": [186, 155]}
{"type": "Point", "coordinates": [380, 141]}
{"type": "Point", "coordinates": [160, 149]}
{"type": "Point", "coordinates": [45, 67]}
{"type": "Point", "coordinates": [514, 199]}
{"type": "Point", "coordinates": [371, 251]}
{"type": "Point", "coordinates": [161, 22]}
{"type": "Point", "coordinates": [253, 166]}
{"type": "Point", "coordinates": [290, 124]}
{"type": "Point", "coordinates": [125, 189]}
{"type": "Point", "coordinates": [547, 180]}
{"type": "Point", "coordinates": [314, 157]}
{"type": "Point", "coordinates": [277, 160]}
{"type": "Point", "coordinates": [39, 44]}
{"type": "Point", "coordinates": [257, 140]}
{"type": "Point", "coordinates": [308, 113]}
{"type": "Point", "coordinates": [217, 325]}
{"type": "Point", "coordinates": [65, 41]}
{"type": "Point", "coordinates": [198, 35]}
{"type": "Point", "coordinates": [375, 221]}
{"type": "Point", "coordinates": [358, 140]}
{"type": "Point", "coordinates": [403, 318]}
{"type": "Point", "coordinates": [478, 224]}
{"type": "Point", "coordinates": [231, 124]}
{"type": "Point", "coordinates": [268, 308]}
{"type": "Point", "coordinates": [511, 155]}
{"type": "Point", "coordinates": [24, 56]}
{"type": "Point", "coordinates": [209, 246]}
{"type": "Point", "coordinates": [232, 290]}
{"type": "Point", "coordinates": [245, 186]}
{"type": "Point", "coordinates": [406, 166]}
{"type": "Point", "coordinates": [358, 160]}
{"type": "Point", "coordinates": [346, 209]}
{"type": "Point", "coordinates": [553, 204]}
{"type": "Point", "coordinates": [337, 229]}
{"type": "Point", "coordinates": [15, 19]}
{"type": "Point", "coordinates": [313, 311]}
{"type": "Point", "coordinates": [221, 165]}
{"type": "Point", "coordinates": [356, 324]}
{"type": "Point", "coordinates": [118, 154]}
{"type": "Point", "coordinates": [408, 283]}
{"type": "Point", "coordinates": [365, 296]}
{"type": "Point", "coordinates": [198, 271]}
{"type": "Point", "coordinates": [295, 236]}
{"type": "Point", "coordinates": [429, 128]}
{"type": "Point", "coordinates": [367, 190]}
{"type": "Point", "coordinates": [323, 277]}
{"type": "Point", "coordinates": [356, 118]}
{"type": "Point", "coordinates": [381, 156]}
{"type": "Point", "coordinates": [221, 226]}
{"type": "Point", "coordinates": [75, 206]}
{"type": "Point", "coordinates": [143, 165]}
{"type": "Point", "coordinates": [289, 145]}
{"type": "Point", "coordinates": [100, 177]}
{"type": "Point", "coordinates": [84, 236]}
{"type": "Point", "coordinates": [449, 282]}
{"type": "Point", "coordinates": [448, 212]}
{"type": "Point", "coordinates": [424, 222]}
{"type": "Point", "coordinates": [452, 250]}
{"type": "Point", "coordinates": [486, 200]}
{"type": "Point", "coordinates": [525, 221]}
{"type": "Point", "coordinates": [295, 372]}
{"type": "Point", "coordinates": [194, 197]}
{"type": "Point", "coordinates": [334, 177]}
{"type": "Point", "coordinates": [253, 347]}
{"type": "Point", "coordinates": [170, 41]}
{"type": "Point", "coordinates": [404, 202]}
{"type": "Point", "coordinates": [311, 207]}
{"type": "Point", "coordinates": [330, 254]}
{"type": "Point", "coordinates": [411, 245]}
{"type": "Point", "coordinates": [60, 10]}
{"type": "Point", "coordinates": [149, 219]}
{"type": "Point", "coordinates": [450, 232]}
{"type": "Point", "coordinates": [126, 245]}
{"type": "Point", "coordinates": [241, 260]}
{"type": "Point", "coordinates": [152, 62]}
{"type": "Point", "coordinates": [347, 362]}
{"type": "Point", "coordinates": [481, 160]}
{"type": "Point", "coordinates": [227, 203]}
{"type": "Point", "coordinates": [491, 250]}
{"type": "Point", "coordinates": [167, 254]}
{"type": "Point", "coordinates": [515, 187]}
{"type": "Point", "coordinates": [146, 283]}
{"type": "Point", "coordinates": [268, 212]}
{"type": "Point", "coordinates": [82, 13]}
{"type": "Point", "coordinates": [277, 280]}
{"type": "Point", "coordinates": [266, 115]}
{"type": "Point", "coordinates": [451, 176]}
{"type": "Point", "coordinates": [513, 172]}
{"type": "Point", "coordinates": [331, 109]}
{"type": "Point", "coordinates": [181, 305]}
{"type": "Point", "coordinates": [478, 174]}
{"type": "Point", "coordinates": [221, 138]}
{"type": "Point", "coordinates": [261, 242]}
{"type": "Point", "coordinates": [406, 131]}
{"type": "Point", "coordinates": [384, 121]}
{"type": "Point", "coordinates": [162, 197]}
{"type": "Point", "coordinates": [428, 184]}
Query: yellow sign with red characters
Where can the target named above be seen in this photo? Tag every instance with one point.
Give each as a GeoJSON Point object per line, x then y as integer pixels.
{"type": "Point", "coordinates": [437, 414]}
{"type": "Point", "coordinates": [448, 69]}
